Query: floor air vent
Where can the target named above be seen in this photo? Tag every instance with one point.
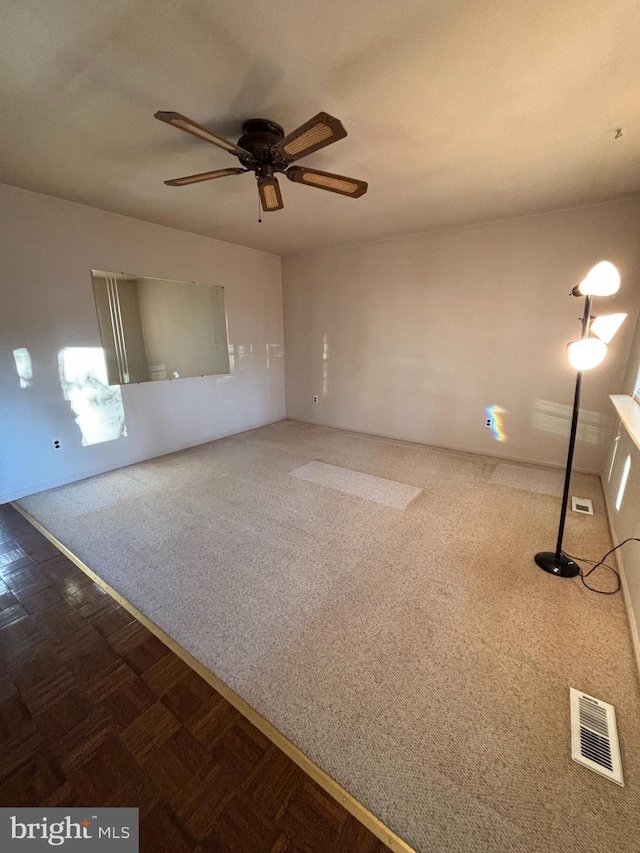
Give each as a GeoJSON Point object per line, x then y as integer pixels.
{"type": "Point", "coordinates": [582, 505]}
{"type": "Point", "coordinates": [594, 736]}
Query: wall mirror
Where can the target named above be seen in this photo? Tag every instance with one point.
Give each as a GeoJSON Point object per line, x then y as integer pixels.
{"type": "Point", "coordinates": [154, 329]}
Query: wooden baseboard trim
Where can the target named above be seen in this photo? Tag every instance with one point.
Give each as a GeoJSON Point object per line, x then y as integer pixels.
{"type": "Point", "coordinates": [362, 814]}
{"type": "Point", "coordinates": [631, 617]}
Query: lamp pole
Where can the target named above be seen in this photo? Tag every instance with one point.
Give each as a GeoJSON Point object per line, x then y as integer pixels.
{"type": "Point", "coordinates": [558, 564]}
{"type": "Point", "coordinates": [602, 280]}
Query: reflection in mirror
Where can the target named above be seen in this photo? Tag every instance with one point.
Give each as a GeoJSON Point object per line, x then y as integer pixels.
{"type": "Point", "coordinates": [23, 366]}
{"type": "Point", "coordinates": [97, 407]}
{"type": "Point", "coordinates": [154, 329]}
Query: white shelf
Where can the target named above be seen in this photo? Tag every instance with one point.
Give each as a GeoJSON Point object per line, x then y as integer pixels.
{"type": "Point", "coordinates": [629, 411]}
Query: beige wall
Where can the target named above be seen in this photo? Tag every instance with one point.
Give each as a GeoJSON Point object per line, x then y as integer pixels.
{"type": "Point", "coordinates": [625, 520]}
{"type": "Point", "coordinates": [413, 337]}
{"type": "Point", "coordinates": [47, 250]}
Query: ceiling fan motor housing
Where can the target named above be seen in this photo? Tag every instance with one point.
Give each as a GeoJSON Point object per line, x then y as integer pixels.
{"type": "Point", "coordinates": [259, 135]}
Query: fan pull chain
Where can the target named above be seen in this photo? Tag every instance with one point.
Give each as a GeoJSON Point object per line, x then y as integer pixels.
{"type": "Point", "coordinates": [259, 212]}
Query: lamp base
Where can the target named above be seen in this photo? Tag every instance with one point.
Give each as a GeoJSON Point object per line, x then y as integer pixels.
{"type": "Point", "coordinates": [562, 568]}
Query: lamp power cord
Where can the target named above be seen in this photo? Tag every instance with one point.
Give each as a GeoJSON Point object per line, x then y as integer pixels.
{"type": "Point", "coordinates": [597, 564]}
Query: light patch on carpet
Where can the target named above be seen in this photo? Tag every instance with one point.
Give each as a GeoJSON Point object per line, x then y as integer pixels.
{"type": "Point", "coordinates": [376, 489]}
{"type": "Point", "coordinates": [544, 482]}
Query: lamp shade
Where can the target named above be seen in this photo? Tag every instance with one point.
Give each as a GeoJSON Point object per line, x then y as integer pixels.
{"type": "Point", "coordinates": [606, 326]}
{"type": "Point", "coordinates": [601, 280]}
{"type": "Point", "coordinates": [586, 353]}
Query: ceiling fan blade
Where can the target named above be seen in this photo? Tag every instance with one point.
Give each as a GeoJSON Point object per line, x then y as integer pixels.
{"type": "Point", "coordinates": [270, 196]}
{"type": "Point", "coordinates": [319, 131]}
{"type": "Point", "coordinates": [327, 181]}
{"type": "Point", "coordinates": [184, 123]}
{"type": "Point", "coordinates": [203, 176]}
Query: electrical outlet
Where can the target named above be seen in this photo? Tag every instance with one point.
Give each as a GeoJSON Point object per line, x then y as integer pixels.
{"type": "Point", "coordinates": [56, 443]}
{"type": "Point", "coordinates": [488, 422]}
{"type": "Point", "coordinates": [315, 398]}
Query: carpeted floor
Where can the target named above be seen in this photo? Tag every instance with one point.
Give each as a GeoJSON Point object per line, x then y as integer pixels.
{"type": "Point", "coordinates": [417, 655]}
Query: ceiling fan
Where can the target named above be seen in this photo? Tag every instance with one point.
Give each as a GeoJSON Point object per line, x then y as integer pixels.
{"type": "Point", "coordinates": [265, 150]}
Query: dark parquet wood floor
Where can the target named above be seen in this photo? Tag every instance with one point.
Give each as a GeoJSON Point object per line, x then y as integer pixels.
{"type": "Point", "coordinates": [96, 711]}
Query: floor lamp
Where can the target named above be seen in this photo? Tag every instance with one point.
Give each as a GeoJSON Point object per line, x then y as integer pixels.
{"type": "Point", "coordinates": [588, 352]}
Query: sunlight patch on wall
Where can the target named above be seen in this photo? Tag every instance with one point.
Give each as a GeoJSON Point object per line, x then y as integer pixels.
{"type": "Point", "coordinates": [97, 406]}
{"type": "Point", "coordinates": [613, 456]}
{"type": "Point", "coordinates": [23, 366]}
{"type": "Point", "coordinates": [242, 353]}
{"type": "Point", "coordinates": [556, 418]}
{"type": "Point", "coordinates": [325, 365]}
{"type": "Point", "coordinates": [623, 483]}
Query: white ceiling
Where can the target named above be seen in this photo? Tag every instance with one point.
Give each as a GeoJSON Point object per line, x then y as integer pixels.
{"type": "Point", "coordinates": [457, 110]}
